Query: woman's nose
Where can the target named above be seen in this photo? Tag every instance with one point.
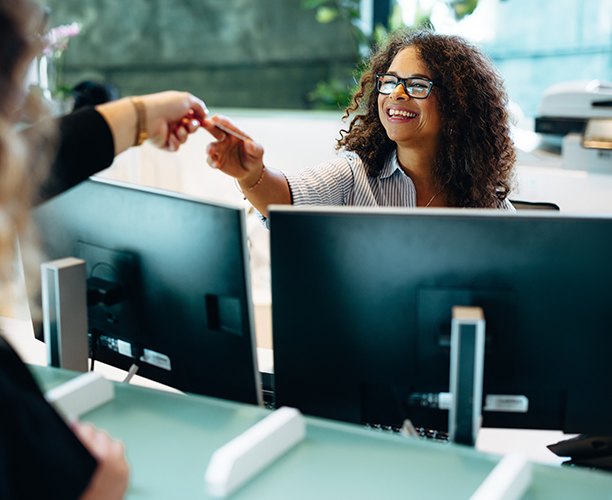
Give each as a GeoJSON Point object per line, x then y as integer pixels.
{"type": "Point", "coordinates": [399, 93]}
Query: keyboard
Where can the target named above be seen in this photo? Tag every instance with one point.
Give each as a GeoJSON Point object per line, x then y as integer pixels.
{"type": "Point", "coordinates": [409, 430]}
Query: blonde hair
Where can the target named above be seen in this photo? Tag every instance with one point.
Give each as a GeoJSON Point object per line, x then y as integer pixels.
{"type": "Point", "coordinates": [23, 166]}
{"type": "Point", "coordinates": [24, 158]}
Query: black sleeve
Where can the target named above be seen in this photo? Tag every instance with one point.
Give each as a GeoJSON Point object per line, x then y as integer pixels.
{"type": "Point", "coordinates": [40, 456]}
{"type": "Point", "coordinates": [86, 146]}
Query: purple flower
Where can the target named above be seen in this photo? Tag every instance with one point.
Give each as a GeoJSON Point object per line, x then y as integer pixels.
{"type": "Point", "coordinates": [56, 39]}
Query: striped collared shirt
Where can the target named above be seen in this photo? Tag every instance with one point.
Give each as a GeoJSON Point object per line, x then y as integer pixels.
{"type": "Point", "coordinates": [344, 181]}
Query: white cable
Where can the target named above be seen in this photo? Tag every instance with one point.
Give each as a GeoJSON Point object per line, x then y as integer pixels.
{"type": "Point", "coordinates": [131, 372]}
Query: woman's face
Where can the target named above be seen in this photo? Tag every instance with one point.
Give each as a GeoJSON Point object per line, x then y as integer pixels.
{"type": "Point", "coordinates": [407, 120]}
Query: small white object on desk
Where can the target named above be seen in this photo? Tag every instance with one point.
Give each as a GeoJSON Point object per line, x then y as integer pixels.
{"type": "Point", "coordinates": [80, 395]}
{"type": "Point", "coordinates": [244, 456]}
{"type": "Point", "coordinates": [509, 480]}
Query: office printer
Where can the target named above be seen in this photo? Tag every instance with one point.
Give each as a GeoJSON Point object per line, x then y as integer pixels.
{"type": "Point", "coordinates": [578, 116]}
{"type": "Point", "coordinates": [566, 107]}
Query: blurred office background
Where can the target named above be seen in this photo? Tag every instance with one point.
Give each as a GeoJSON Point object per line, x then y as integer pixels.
{"type": "Point", "coordinates": [274, 53]}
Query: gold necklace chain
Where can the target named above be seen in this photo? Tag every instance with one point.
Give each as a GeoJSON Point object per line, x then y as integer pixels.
{"type": "Point", "coordinates": [433, 198]}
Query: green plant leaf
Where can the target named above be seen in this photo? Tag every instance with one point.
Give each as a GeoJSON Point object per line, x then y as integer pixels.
{"type": "Point", "coordinates": [463, 8]}
{"type": "Point", "coordinates": [333, 94]}
{"type": "Point", "coordinates": [326, 14]}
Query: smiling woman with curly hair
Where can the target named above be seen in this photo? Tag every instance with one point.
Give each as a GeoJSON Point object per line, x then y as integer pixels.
{"type": "Point", "coordinates": [475, 155]}
{"type": "Point", "coordinates": [429, 127]}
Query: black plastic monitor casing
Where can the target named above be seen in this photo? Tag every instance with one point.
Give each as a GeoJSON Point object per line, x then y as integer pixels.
{"type": "Point", "coordinates": [168, 280]}
{"type": "Point", "coordinates": [362, 304]}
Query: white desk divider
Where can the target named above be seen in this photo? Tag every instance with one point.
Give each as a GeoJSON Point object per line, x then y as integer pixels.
{"type": "Point", "coordinates": [244, 456]}
{"type": "Point", "coordinates": [509, 480]}
{"type": "Point", "coordinates": [80, 395]}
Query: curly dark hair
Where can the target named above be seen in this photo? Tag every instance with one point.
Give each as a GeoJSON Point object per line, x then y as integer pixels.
{"type": "Point", "coordinates": [475, 160]}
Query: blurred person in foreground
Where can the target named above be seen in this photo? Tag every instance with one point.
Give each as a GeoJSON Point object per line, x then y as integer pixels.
{"type": "Point", "coordinates": [40, 455]}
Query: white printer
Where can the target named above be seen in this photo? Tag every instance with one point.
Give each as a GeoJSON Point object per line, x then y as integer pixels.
{"type": "Point", "coordinates": [566, 107]}
{"type": "Point", "coordinates": [581, 114]}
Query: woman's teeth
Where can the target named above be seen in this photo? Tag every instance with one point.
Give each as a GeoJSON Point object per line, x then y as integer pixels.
{"type": "Point", "coordinates": [401, 112]}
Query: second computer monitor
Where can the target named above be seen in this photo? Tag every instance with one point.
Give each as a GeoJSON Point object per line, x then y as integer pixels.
{"type": "Point", "coordinates": [362, 303]}
{"type": "Point", "coordinates": [168, 284]}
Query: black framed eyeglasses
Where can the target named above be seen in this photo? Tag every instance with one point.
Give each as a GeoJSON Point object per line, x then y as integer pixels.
{"type": "Point", "coordinates": [416, 87]}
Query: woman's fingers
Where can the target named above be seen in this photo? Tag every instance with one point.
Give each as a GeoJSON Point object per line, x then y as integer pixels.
{"type": "Point", "coordinates": [213, 130]}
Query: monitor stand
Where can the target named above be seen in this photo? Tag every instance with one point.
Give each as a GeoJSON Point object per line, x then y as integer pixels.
{"type": "Point", "coordinates": [466, 374]}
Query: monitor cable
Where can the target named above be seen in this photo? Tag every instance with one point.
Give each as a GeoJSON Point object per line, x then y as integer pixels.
{"type": "Point", "coordinates": [104, 293]}
{"type": "Point", "coordinates": [93, 343]}
{"type": "Point", "coordinates": [131, 372]}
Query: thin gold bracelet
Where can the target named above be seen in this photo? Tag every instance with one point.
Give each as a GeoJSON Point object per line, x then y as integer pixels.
{"type": "Point", "coordinates": [141, 121]}
{"type": "Point", "coordinates": [251, 187]}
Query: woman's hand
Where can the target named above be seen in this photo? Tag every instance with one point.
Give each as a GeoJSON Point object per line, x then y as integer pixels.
{"type": "Point", "coordinates": [240, 158]}
{"type": "Point", "coordinates": [110, 480]}
{"type": "Point", "coordinates": [171, 117]}
{"type": "Point", "coordinates": [168, 118]}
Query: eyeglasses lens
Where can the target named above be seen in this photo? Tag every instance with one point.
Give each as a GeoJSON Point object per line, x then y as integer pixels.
{"type": "Point", "coordinates": [414, 87]}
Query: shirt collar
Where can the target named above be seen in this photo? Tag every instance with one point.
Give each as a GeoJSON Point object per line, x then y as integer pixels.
{"type": "Point", "coordinates": [391, 166]}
